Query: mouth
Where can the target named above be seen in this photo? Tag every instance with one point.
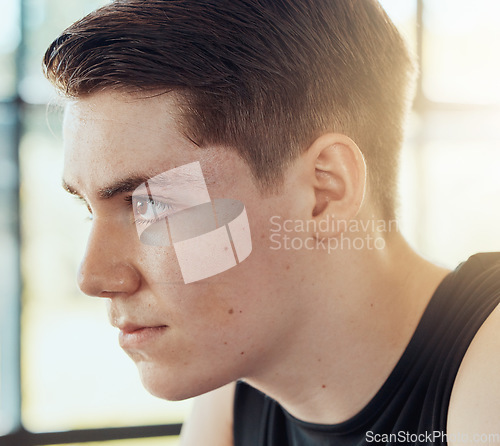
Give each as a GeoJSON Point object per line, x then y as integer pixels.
{"type": "Point", "coordinates": [133, 336]}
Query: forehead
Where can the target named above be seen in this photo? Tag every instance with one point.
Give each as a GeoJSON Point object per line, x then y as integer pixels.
{"type": "Point", "coordinates": [124, 107]}
{"type": "Point", "coordinates": [112, 118]}
{"type": "Point", "coordinates": [109, 136]}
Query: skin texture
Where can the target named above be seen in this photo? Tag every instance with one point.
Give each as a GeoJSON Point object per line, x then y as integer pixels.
{"type": "Point", "coordinates": [300, 325]}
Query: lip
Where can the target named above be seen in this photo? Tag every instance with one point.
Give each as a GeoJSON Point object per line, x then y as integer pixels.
{"type": "Point", "coordinates": [137, 336]}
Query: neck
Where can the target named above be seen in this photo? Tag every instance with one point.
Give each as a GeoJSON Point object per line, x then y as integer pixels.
{"type": "Point", "coordinates": [356, 320]}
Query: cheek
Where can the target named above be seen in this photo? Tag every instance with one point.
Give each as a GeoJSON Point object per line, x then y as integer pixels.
{"type": "Point", "coordinates": [233, 319]}
{"type": "Point", "coordinates": [221, 329]}
{"type": "Point", "coordinates": [215, 322]}
{"type": "Point", "coordinates": [225, 314]}
{"type": "Point", "coordinates": [211, 342]}
{"type": "Point", "coordinates": [212, 311]}
{"type": "Point", "coordinates": [159, 267]}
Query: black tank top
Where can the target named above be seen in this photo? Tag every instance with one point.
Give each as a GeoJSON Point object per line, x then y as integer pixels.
{"type": "Point", "coordinates": [412, 404]}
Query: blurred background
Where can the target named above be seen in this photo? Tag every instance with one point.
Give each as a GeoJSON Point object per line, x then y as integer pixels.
{"type": "Point", "coordinates": [63, 379]}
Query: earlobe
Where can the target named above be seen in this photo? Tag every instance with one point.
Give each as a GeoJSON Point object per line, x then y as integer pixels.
{"type": "Point", "coordinates": [339, 177]}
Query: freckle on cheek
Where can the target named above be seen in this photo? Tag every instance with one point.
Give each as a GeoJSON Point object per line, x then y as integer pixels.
{"type": "Point", "coordinates": [242, 353]}
{"type": "Point", "coordinates": [231, 311]}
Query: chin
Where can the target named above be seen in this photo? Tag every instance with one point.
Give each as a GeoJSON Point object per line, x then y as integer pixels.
{"type": "Point", "coordinates": [181, 385]}
{"type": "Point", "coordinates": [168, 393]}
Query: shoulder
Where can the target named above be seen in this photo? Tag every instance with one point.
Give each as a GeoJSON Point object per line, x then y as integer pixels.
{"type": "Point", "coordinates": [474, 410]}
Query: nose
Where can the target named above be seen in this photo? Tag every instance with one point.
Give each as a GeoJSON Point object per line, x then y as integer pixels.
{"type": "Point", "coordinates": [107, 268]}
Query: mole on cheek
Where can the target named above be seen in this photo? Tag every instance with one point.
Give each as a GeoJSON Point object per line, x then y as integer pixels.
{"type": "Point", "coordinates": [231, 311]}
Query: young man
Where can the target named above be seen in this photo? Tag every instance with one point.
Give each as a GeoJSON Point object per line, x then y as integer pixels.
{"type": "Point", "coordinates": [329, 329]}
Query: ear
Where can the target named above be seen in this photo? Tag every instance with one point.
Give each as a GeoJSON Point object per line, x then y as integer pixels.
{"type": "Point", "coordinates": [337, 173]}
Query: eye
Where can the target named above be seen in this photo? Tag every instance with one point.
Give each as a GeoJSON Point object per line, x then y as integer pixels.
{"type": "Point", "coordinates": [148, 210]}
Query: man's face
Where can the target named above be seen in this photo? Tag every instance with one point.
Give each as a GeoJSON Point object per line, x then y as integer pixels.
{"type": "Point", "coordinates": [200, 335]}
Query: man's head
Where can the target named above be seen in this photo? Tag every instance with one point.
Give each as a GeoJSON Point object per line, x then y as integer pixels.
{"type": "Point", "coordinates": [265, 78]}
{"type": "Point", "coordinates": [260, 95]}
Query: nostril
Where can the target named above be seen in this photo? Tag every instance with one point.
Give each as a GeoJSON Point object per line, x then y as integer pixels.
{"type": "Point", "coordinates": [109, 279]}
{"type": "Point", "coordinates": [107, 268]}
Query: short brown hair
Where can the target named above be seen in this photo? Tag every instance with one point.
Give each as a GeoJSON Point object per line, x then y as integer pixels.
{"type": "Point", "coordinates": [265, 77]}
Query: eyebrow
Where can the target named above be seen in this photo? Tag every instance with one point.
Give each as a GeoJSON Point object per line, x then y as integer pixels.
{"type": "Point", "coordinates": [119, 187]}
{"type": "Point", "coordinates": [122, 186]}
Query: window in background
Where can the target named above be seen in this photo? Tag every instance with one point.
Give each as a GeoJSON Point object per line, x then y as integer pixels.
{"type": "Point", "coordinates": [404, 14]}
{"type": "Point", "coordinates": [10, 35]}
{"type": "Point", "coordinates": [461, 61]}
{"type": "Point", "coordinates": [9, 270]}
{"type": "Point", "coordinates": [457, 187]}
{"type": "Point", "coordinates": [43, 21]}
{"type": "Point", "coordinates": [9, 228]}
{"type": "Point", "coordinates": [449, 186]}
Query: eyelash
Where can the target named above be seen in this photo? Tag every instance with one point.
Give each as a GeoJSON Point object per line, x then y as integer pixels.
{"type": "Point", "coordinates": [130, 200]}
{"type": "Point", "coordinates": [164, 206]}
{"type": "Point", "coordinates": [90, 216]}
